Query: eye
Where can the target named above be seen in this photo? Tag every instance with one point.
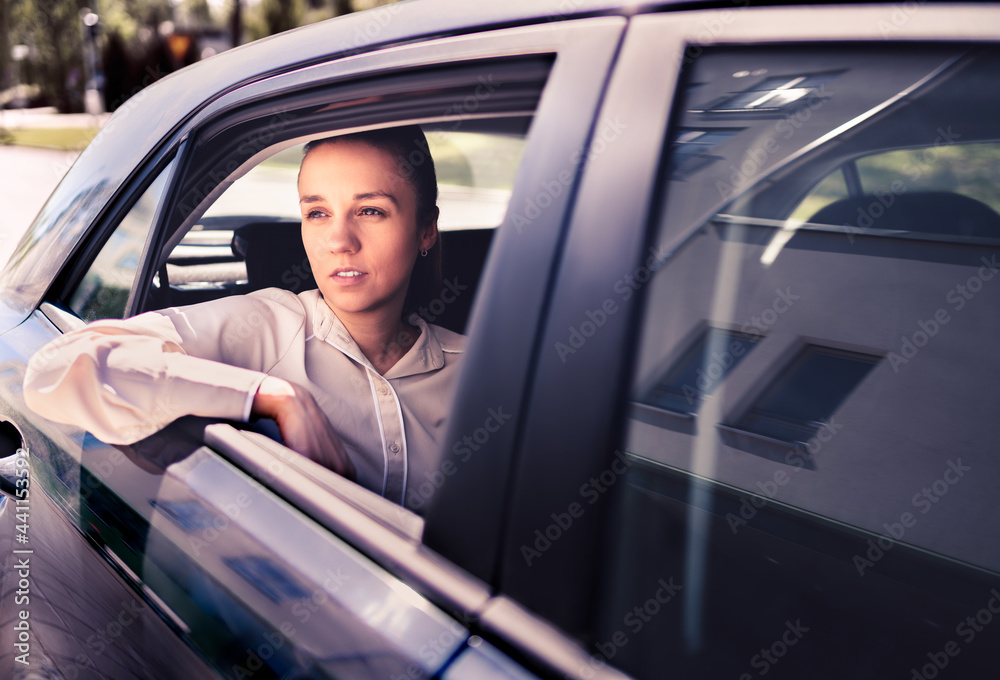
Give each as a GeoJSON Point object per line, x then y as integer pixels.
{"type": "Point", "coordinates": [315, 215]}
{"type": "Point", "coordinates": [371, 212]}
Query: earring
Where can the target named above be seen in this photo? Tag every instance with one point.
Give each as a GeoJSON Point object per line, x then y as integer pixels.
{"type": "Point", "coordinates": [423, 253]}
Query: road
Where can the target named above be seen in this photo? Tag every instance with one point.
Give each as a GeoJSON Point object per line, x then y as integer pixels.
{"type": "Point", "coordinates": [27, 177]}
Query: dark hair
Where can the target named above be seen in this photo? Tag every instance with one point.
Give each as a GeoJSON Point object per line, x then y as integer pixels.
{"type": "Point", "coordinates": [408, 146]}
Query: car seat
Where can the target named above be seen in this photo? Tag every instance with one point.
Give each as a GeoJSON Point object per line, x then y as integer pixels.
{"type": "Point", "coordinates": [931, 212]}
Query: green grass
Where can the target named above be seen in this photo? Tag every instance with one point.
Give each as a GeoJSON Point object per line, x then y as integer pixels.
{"type": "Point", "coordinates": [67, 139]}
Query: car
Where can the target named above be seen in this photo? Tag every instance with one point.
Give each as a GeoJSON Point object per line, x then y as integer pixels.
{"type": "Point", "coordinates": [728, 275]}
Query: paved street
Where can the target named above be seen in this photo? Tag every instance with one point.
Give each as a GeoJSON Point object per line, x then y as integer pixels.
{"type": "Point", "coordinates": [27, 177]}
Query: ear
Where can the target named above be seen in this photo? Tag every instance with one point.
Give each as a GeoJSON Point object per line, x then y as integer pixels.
{"type": "Point", "coordinates": [428, 234]}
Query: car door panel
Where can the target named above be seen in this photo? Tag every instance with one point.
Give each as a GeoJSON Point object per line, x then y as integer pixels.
{"type": "Point", "coordinates": [237, 564]}
{"type": "Point", "coordinates": [704, 567]}
{"type": "Point", "coordinates": [183, 551]}
{"type": "Point", "coordinates": [86, 620]}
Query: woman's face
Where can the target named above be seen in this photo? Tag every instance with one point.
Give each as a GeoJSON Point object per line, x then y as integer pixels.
{"type": "Point", "coordinates": [359, 227]}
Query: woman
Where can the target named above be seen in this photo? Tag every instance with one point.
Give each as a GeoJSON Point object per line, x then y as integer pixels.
{"type": "Point", "coordinates": [351, 380]}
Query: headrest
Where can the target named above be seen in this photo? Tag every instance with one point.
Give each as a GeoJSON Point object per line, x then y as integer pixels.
{"type": "Point", "coordinates": [933, 212]}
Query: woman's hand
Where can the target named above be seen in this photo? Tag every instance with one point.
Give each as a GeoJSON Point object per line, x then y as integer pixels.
{"type": "Point", "coordinates": [304, 427]}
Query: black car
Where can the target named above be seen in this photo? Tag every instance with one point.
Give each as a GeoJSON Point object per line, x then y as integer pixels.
{"type": "Point", "coordinates": [729, 277]}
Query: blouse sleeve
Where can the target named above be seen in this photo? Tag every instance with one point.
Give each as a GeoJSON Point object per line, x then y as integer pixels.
{"type": "Point", "coordinates": [125, 380]}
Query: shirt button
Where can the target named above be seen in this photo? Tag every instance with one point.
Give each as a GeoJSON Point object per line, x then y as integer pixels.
{"type": "Point", "coordinates": [383, 389]}
{"type": "Point", "coordinates": [394, 448]}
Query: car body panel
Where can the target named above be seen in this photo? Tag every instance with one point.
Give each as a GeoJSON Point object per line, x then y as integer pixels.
{"type": "Point", "coordinates": [229, 557]}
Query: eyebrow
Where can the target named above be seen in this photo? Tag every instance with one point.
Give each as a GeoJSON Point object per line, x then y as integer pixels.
{"type": "Point", "coordinates": [376, 194]}
{"type": "Point", "coordinates": [315, 198]}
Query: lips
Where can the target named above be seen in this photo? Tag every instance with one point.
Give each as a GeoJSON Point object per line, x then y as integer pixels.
{"type": "Point", "coordinates": [347, 276]}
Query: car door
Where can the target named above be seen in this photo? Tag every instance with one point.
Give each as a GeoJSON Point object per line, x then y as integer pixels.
{"type": "Point", "coordinates": [759, 434]}
{"type": "Point", "coordinates": [203, 551]}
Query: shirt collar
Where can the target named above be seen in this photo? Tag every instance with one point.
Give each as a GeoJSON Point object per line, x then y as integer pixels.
{"type": "Point", "coordinates": [424, 356]}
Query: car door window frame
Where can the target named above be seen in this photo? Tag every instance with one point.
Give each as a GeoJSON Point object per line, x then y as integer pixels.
{"type": "Point", "coordinates": [164, 167]}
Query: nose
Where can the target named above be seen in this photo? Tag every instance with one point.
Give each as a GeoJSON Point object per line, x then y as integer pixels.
{"type": "Point", "coordinates": [340, 235]}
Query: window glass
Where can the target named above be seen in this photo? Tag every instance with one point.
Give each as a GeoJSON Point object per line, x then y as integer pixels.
{"type": "Point", "coordinates": [773, 93]}
{"type": "Point", "coordinates": [969, 170]}
{"type": "Point", "coordinates": [823, 501]}
{"type": "Point", "coordinates": [832, 188]}
{"type": "Point", "coordinates": [103, 293]}
{"type": "Point", "coordinates": [692, 148]}
{"type": "Point", "coordinates": [804, 397]}
{"type": "Point", "coordinates": [700, 370]}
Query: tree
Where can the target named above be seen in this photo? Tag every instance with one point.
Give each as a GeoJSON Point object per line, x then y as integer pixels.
{"type": "Point", "coordinates": [52, 31]}
{"type": "Point", "coordinates": [275, 16]}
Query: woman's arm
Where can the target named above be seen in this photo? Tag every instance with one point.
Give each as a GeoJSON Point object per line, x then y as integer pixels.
{"type": "Point", "coordinates": [125, 380]}
{"type": "Point", "coordinates": [123, 384]}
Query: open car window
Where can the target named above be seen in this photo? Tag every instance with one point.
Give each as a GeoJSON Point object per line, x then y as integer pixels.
{"type": "Point", "coordinates": [223, 218]}
{"type": "Point", "coordinates": [222, 254]}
